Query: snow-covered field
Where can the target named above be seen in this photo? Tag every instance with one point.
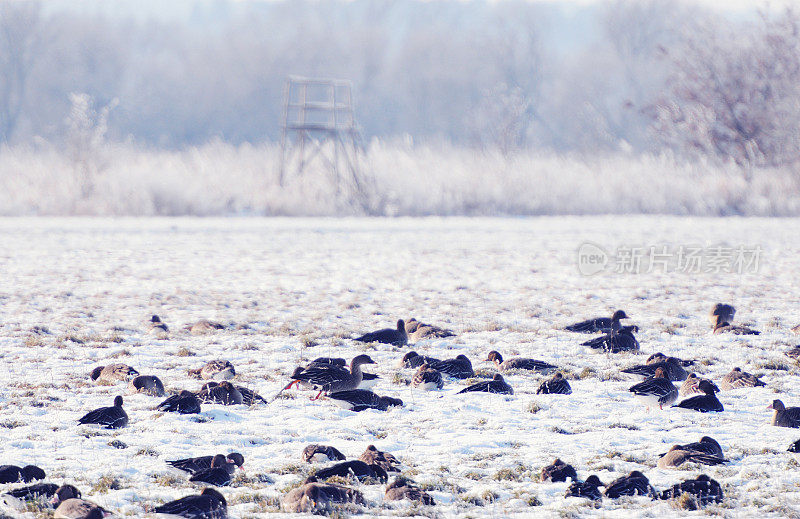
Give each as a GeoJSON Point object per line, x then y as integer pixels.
{"type": "Point", "coordinates": [76, 293]}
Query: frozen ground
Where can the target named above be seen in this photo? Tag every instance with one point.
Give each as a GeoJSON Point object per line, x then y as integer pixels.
{"type": "Point", "coordinates": [296, 289]}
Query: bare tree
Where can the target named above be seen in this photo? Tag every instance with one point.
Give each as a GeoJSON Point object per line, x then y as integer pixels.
{"type": "Point", "coordinates": [19, 35]}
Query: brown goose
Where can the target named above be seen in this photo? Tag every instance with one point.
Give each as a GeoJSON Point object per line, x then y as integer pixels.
{"type": "Point", "coordinates": [331, 379]}
{"type": "Point", "coordinates": [147, 384]}
{"type": "Point", "coordinates": [396, 337]}
{"type": "Point", "coordinates": [412, 359]}
{"type": "Point", "coordinates": [598, 324]}
{"type": "Point", "coordinates": [417, 331]}
{"type": "Point", "coordinates": [459, 367]}
{"type": "Point", "coordinates": [362, 399]}
{"type": "Point", "coordinates": [633, 484]}
{"type": "Point", "coordinates": [678, 455]}
{"type": "Point", "coordinates": [496, 385]}
{"type": "Point", "coordinates": [427, 378]}
{"type": "Point", "coordinates": [556, 385]}
{"type": "Point", "coordinates": [214, 369]}
{"type": "Point", "coordinates": [223, 393]}
{"type": "Point", "coordinates": [321, 453]}
{"type": "Point", "coordinates": [706, 445]}
{"type": "Point", "coordinates": [41, 492]}
{"type": "Point", "coordinates": [656, 391]}
{"type": "Point", "coordinates": [672, 367]}
{"type": "Point", "coordinates": [723, 311]}
{"type": "Point", "coordinates": [692, 385]}
{"type": "Point", "coordinates": [209, 504]}
{"type": "Point", "coordinates": [113, 373]}
{"type": "Point", "coordinates": [738, 378]}
{"type": "Point", "coordinates": [559, 471]}
{"type": "Point", "coordinates": [401, 488]}
{"type": "Point", "coordinates": [204, 327]}
{"type": "Point", "coordinates": [198, 463]}
{"type": "Point", "coordinates": [705, 489]}
{"type": "Point", "coordinates": [723, 326]}
{"type": "Point", "coordinates": [518, 363]}
{"type": "Point", "coordinates": [313, 497]}
{"type": "Point", "coordinates": [75, 508]}
{"type": "Point", "coordinates": [785, 416]}
{"type": "Point", "coordinates": [372, 456]}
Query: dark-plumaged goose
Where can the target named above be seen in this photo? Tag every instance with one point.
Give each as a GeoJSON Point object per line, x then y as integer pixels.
{"type": "Point", "coordinates": [707, 402]}
{"type": "Point", "coordinates": [147, 384]}
{"type": "Point", "coordinates": [112, 417]}
{"type": "Point", "coordinates": [214, 369]}
{"type": "Point", "coordinates": [204, 327]}
{"type": "Point", "coordinates": [321, 453]}
{"type": "Point", "coordinates": [158, 328]}
{"type": "Point", "coordinates": [656, 391]}
{"type": "Point", "coordinates": [15, 474]}
{"type": "Point", "coordinates": [113, 373]}
{"type": "Point", "coordinates": [418, 331]}
{"type": "Point", "coordinates": [723, 311]}
{"type": "Point", "coordinates": [362, 399]}
{"type": "Point", "coordinates": [44, 493]}
{"type": "Point", "coordinates": [598, 324]}
{"type": "Point", "coordinates": [617, 340]}
{"type": "Point", "coordinates": [671, 366]}
{"type": "Point", "coordinates": [76, 508]}
{"type": "Point", "coordinates": [315, 498]}
{"type": "Point", "coordinates": [396, 336]}
{"type": "Point", "coordinates": [784, 416]}
{"type": "Point", "coordinates": [368, 380]}
{"type": "Point", "coordinates": [219, 474]}
{"type": "Point", "coordinates": [196, 464]}
{"type": "Point", "coordinates": [677, 456]}
{"type": "Point", "coordinates": [401, 488]}
{"type": "Point", "coordinates": [518, 363]}
{"type": "Point", "coordinates": [634, 484]}
{"type": "Point", "coordinates": [496, 385]}
{"type": "Point", "coordinates": [210, 504]}
{"type": "Point", "coordinates": [249, 397]}
{"type": "Point", "coordinates": [703, 488]}
{"type": "Point", "coordinates": [354, 468]}
{"type": "Point", "coordinates": [706, 445]}
{"type": "Point", "coordinates": [427, 378]}
{"type": "Point", "coordinates": [588, 489]}
{"type": "Point", "coordinates": [655, 358]}
{"type": "Point", "coordinates": [412, 359]}
{"type": "Point", "coordinates": [372, 456]}
{"type": "Point", "coordinates": [223, 393]}
{"type": "Point", "coordinates": [738, 378]}
{"type": "Point", "coordinates": [330, 379]}
{"type": "Point", "coordinates": [459, 367]}
{"type": "Point", "coordinates": [184, 402]}
{"type": "Point", "coordinates": [723, 326]}
{"type": "Point", "coordinates": [559, 471]}
{"type": "Point", "coordinates": [692, 385]}
{"type": "Point", "coordinates": [556, 385]}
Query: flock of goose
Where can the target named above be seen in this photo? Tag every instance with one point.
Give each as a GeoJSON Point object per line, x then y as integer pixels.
{"type": "Point", "coordinates": [349, 386]}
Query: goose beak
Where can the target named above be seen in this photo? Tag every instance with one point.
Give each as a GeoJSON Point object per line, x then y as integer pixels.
{"type": "Point", "coordinates": [770, 406]}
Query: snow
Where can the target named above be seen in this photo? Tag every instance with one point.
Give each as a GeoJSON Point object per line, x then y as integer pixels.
{"type": "Point", "coordinates": [298, 288]}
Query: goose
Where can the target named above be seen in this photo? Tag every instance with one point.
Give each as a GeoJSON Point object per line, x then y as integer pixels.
{"type": "Point", "coordinates": [705, 489]}
{"type": "Point", "coordinates": [672, 367]}
{"type": "Point", "coordinates": [598, 324]}
{"type": "Point", "coordinates": [196, 464]}
{"type": "Point", "coordinates": [559, 471]}
{"type": "Point", "coordinates": [26, 474]}
{"type": "Point", "coordinates": [678, 455]}
{"type": "Point", "coordinates": [113, 373]}
{"type": "Point", "coordinates": [396, 337]}
{"type": "Point", "coordinates": [412, 359]}
{"type": "Point", "coordinates": [362, 399]}
{"type": "Point", "coordinates": [214, 369]}
{"type": "Point", "coordinates": [427, 378]}
{"type": "Point", "coordinates": [706, 445]}
{"type": "Point", "coordinates": [587, 489]}
{"type": "Point", "coordinates": [401, 488]}
{"type": "Point", "coordinates": [330, 379]}
{"type": "Point", "coordinates": [368, 380]}
{"type": "Point", "coordinates": [496, 385]}
{"type": "Point", "coordinates": [158, 328]}
{"type": "Point", "coordinates": [372, 456]}
{"type": "Point", "coordinates": [76, 508]}
{"type": "Point", "coordinates": [209, 504]}
{"type": "Point", "coordinates": [619, 339]}
{"type": "Point", "coordinates": [707, 402]}
{"type": "Point", "coordinates": [314, 497]}
{"type": "Point", "coordinates": [723, 311]}
{"type": "Point", "coordinates": [203, 327]}
{"type": "Point", "coordinates": [219, 474]}
{"type": "Point", "coordinates": [184, 402]}
{"type": "Point", "coordinates": [784, 416]}
{"type": "Point", "coordinates": [223, 393]}
{"type": "Point", "coordinates": [109, 417]}
{"type": "Point", "coordinates": [657, 390]}
{"type": "Point", "coordinates": [355, 468]}
{"type": "Point", "coordinates": [556, 385]}
{"type": "Point", "coordinates": [633, 484]}
{"type": "Point", "coordinates": [518, 363]}
{"type": "Point", "coordinates": [321, 453]}
{"type": "Point", "coordinates": [41, 492]}
{"type": "Point", "coordinates": [459, 367]}
{"type": "Point", "coordinates": [692, 385]}
{"type": "Point", "coordinates": [738, 378]}
{"type": "Point", "coordinates": [723, 326]}
{"type": "Point", "coordinates": [147, 384]}
{"type": "Point", "coordinates": [417, 331]}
